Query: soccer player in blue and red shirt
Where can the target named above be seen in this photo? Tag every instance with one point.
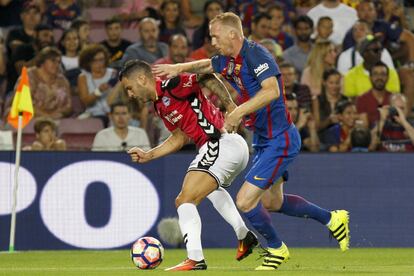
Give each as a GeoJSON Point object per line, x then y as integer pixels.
{"type": "Point", "coordinates": [251, 70]}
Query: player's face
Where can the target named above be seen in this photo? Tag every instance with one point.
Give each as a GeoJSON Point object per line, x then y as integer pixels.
{"type": "Point", "coordinates": [45, 38]}
{"type": "Point", "coordinates": [333, 85]}
{"type": "Point", "coordinates": [178, 50]}
{"type": "Point", "coordinates": [120, 117]}
{"type": "Point", "coordinates": [220, 39]}
{"type": "Point", "coordinates": [114, 31]}
{"type": "Point", "coordinates": [379, 77]}
{"type": "Point", "coordinates": [136, 88]}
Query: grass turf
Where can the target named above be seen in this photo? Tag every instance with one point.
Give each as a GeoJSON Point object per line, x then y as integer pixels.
{"type": "Point", "coordinates": [309, 261]}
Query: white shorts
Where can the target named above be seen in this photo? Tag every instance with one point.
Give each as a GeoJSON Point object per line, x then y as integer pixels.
{"type": "Point", "coordinates": [223, 159]}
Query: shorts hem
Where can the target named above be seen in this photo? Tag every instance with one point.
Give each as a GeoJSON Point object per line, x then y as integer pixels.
{"type": "Point", "coordinates": [209, 172]}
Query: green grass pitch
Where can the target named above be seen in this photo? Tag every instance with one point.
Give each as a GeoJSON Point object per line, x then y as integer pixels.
{"type": "Point", "coordinates": [309, 261]}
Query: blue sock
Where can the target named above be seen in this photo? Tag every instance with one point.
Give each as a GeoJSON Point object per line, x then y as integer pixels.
{"type": "Point", "coordinates": [260, 219]}
{"type": "Point", "coordinates": [297, 206]}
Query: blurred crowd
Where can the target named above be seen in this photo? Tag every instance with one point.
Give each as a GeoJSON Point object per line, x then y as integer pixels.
{"type": "Point", "coordinates": [347, 67]}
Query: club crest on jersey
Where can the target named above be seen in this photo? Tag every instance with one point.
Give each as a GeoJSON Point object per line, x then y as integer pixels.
{"type": "Point", "coordinates": [237, 69]}
{"type": "Point", "coordinates": [166, 101]}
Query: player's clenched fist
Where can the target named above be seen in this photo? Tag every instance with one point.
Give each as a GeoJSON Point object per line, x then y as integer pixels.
{"type": "Point", "coordinates": [138, 155]}
{"type": "Point", "coordinates": [167, 70]}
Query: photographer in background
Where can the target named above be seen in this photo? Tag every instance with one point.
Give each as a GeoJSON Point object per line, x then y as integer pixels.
{"type": "Point", "coordinates": [304, 122]}
{"type": "Point", "coordinates": [394, 133]}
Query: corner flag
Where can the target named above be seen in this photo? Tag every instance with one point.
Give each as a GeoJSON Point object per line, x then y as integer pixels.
{"type": "Point", "coordinates": [22, 102]}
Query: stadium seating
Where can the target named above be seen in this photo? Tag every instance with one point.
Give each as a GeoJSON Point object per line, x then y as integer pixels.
{"type": "Point", "coordinates": [79, 134]}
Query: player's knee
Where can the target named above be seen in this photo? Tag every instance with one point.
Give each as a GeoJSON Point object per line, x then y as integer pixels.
{"type": "Point", "coordinates": [184, 198]}
{"type": "Point", "coordinates": [272, 205]}
{"type": "Point", "coordinates": [244, 205]}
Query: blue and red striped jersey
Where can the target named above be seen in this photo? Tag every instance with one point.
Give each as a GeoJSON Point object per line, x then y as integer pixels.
{"type": "Point", "coordinates": [245, 73]}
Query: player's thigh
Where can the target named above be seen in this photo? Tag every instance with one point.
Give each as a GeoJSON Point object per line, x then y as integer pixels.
{"type": "Point", "coordinates": [224, 159]}
{"type": "Point", "coordinates": [272, 199]}
{"type": "Point", "coordinates": [196, 186]}
{"type": "Point", "coordinates": [248, 196]}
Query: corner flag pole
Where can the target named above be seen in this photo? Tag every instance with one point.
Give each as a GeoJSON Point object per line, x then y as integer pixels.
{"type": "Point", "coordinates": [16, 182]}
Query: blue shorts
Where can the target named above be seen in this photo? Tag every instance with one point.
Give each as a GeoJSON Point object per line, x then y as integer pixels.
{"type": "Point", "coordinates": [273, 157]}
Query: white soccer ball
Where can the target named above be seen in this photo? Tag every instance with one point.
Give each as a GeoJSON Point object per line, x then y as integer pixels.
{"type": "Point", "coordinates": [147, 253]}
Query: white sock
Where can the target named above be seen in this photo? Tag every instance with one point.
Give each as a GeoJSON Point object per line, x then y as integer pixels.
{"type": "Point", "coordinates": [224, 204]}
{"type": "Point", "coordinates": [190, 224]}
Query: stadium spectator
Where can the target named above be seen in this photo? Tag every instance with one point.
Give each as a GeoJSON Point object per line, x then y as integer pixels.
{"type": "Point", "coordinates": [273, 48]}
{"type": "Point", "coordinates": [30, 16]}
{"type": "Point", "coordinates": [120, 136]}
{"type": "Point", "coordinates": [351, 57]}
{"type": "Point", "coordinates": [392, 12]}
{"type": "Point", "coordinates": [321, 58]}
{"type": "Point", "coordinates": [51, 94]}
{"type": "Point", "coordinates": [8, 11]}
{"type": "Point", "coordinates": [297, 55]}
{"type": "Point", "coordinates": [356, 80]}
{"type": "Point", "coordinates": [61, 13]}
{"type": "Point", "coordinates": [3, 73]}
{"type": "Point", "coordinates": [342, 15]}
{"type": "Point", "coordinates": [394, 133]}
{"type": "Point", "coordinates": [24, 54]}
{"type": "Point", "coordinates": [340, 134]}
{"type": "Point", "coordinates": [324, 28]}
{"type": "Point", "coordinates": [324, 107]}
{"type": "Point", "coordinates": [170, 20]}
{"type": "Point", "coordinates": [148, 49]}
{"type": "Point", "coordinates": [84, 29]}
{"type": "Point", "coordinates": [211, 9]}
{"type": "Point", "coordinates": [46, 139]}
{"type": "Point", "coordinates": [304, 122]}
{"type": "Point", "coordinates": [249, 10]}
{"type": "Point", "coordinates": [115, 44]}
{"type": "Point", "coordinates": [205, 51]}
{"type": "Point", "coordinates": [292, 86]}
{"type": "Point", "coordinates": [178, 51]}
{"type": "Point", "coordinates": [360, 139]}
{"type": "Point", "coordinates": [260, 27]}
{"type": "Point", "coordinates": [96, 81]}
{"type": "Point", "coordinates": [276, 27]}
{"type": "Point", "coordinates": [70, 46]}
{"type": "Point", "coordinates": [136, 10]}
{"type": "Point", "coordinates": [192, 11]}
{"type": "Point", "coordinates": [377, 97]}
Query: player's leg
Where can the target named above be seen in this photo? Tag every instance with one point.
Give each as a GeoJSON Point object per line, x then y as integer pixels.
{"type": "Point", "coordinates": [233, 158]}
{"type": "Point", "coordinates": [197, 185]}
{"type": "Point", "coordinates": [293, 205]}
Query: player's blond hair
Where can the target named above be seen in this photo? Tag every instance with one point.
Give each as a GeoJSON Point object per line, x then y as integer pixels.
{"type": "Point", "coordinates": [229, 19]}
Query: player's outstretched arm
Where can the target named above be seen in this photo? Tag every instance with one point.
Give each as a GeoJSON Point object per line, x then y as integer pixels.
{"type": "Point", "coordinates": [270, 91]}
{"type": "Point", "coordinates": [215, 85]}
{"type": "Point", "coordinates": [173, 143]}
{"type": "Point", "coordinates": [202, 66]}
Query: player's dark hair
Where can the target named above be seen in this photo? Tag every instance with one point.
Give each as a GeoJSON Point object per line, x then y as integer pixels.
{"type": "Point", "coordinates": [116, 104]}
{"type": "Point", "coordinates": [360, 137]}
{"type": "Point", "coordinates": [304, 19]}
{"type": "Point", "coordinates": [379, 64]}
{"type": "Point", "coordinates": [256, 19]}
{"type": "Point", "coordinates": [134, 66]}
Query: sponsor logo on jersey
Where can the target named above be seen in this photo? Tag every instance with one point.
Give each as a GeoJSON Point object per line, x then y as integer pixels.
{"type": "Point", "coordinates": [261, 68]}
{"type": "Point", "coordinates": [166, 101]}
{"type": "Point", "coordinates": [189, 83]}
{"type": "Point", "coordinates": [173, 117]}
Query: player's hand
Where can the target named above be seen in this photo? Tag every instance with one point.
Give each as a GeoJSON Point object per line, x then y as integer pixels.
{"type": "Point", "coordinates": [138, 155]}
{"type": "Point", "coordinates": [166, 70]}
{"type": "Point", "coordinates": [232, 121]}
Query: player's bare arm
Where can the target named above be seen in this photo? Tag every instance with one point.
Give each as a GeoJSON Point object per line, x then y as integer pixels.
{"type": "Point", "coordinates": [202, 66]}
{"type": "Point", "coordinates": [269, 92]}
{"type": "Point", "coordinates": [215, 85]}
{"type": "Point", "coordinates": [173, 143]}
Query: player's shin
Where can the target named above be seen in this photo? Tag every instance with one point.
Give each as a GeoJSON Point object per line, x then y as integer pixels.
{"type": "Point", "coordinates": [225, 206]}
{"type": "Point", "coordinates": [190, 225]}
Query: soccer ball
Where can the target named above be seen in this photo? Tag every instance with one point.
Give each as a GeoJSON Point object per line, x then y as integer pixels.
{"type": "Point", "coordinates": [147, 253]}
